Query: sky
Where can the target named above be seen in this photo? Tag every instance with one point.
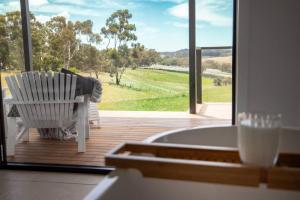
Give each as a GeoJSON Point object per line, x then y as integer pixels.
{"type": "Point", "coordinates": [161, 24]}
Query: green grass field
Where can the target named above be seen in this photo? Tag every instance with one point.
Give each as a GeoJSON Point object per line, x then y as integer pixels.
{"type": "Point", "coordinates": [155, 90]}
{"type": "Point", "coordinates": [152, 90]}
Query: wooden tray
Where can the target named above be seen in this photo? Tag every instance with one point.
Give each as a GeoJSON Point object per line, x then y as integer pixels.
{"type": "Point", "coordinates": [205, 164]}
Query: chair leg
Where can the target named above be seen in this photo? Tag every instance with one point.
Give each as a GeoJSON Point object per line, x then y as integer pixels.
{"type": "Point", "coordinates": [86, 118]}
{"type": "Point", "coordinates": [80, 126]}
{"type": "Point", "coordinates": [11, 135]}
{"type": "Point", "coordinates": [86, 125]}
{"type": "Point", "coordinates": [26, 135]}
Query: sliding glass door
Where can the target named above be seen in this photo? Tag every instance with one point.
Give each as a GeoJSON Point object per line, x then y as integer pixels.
{"type": "Point", "coordinates": [11, 60]}
{"type": "Point", "coordinates": [214, 58]}
{"type": "Point", "coordinates": [140, 51]}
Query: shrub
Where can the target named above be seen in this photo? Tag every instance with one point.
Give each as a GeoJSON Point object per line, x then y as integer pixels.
{"type": "Point", "coordinates": [217, 82]}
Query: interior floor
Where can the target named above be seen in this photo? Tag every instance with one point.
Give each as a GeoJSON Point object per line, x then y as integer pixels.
{"type": "Point", "coordinates": [28, 185]}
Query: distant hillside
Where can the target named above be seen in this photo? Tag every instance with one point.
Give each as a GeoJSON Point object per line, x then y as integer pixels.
{"type": "Point", "coordinates": [179, 53]}
{"type": "Point", "coordinates": [206, 53]}
{"type": "Point", "coordinates": [220, 60]}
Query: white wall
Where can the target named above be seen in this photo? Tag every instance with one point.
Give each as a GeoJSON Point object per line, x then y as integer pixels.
{"type": "Point", "coordinates": [268, 58]}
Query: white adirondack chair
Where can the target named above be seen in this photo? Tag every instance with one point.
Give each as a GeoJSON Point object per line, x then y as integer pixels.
{"type": "Point", "coordinates": [45, 100]}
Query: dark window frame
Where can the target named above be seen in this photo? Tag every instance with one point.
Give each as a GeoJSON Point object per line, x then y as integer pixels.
{"type": "Point", "coordinates": [105, 170]}
{"type": "Point", "coordinates": [194, 86]}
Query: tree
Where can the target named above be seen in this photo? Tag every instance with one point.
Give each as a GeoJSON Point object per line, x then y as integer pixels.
{"type": "Point", "coordinates": [150, 57]}
{"type": "Point", "coordinates": [65, 37]}
{"type": "Point", "coordinates": [62, 39]}
{"type": "Point", "coordinates": [121, 32]}
{"type": "Point", "coordinates": [144, 57]}
{"type": "Point", "coordinates": [42, 60]}
{"type": "Point", "coordinates": [137, 54]}
{"type": "Point", "coordinates": [91, 60]}
{"type": "Point", "coordinates": [4, 48]}
{"type": "Point", "coordinates": [11, 49]}
{"type": "Point", "coordinates": [102, 63]}
{"type": "Point", "coordinates": [120, 61]}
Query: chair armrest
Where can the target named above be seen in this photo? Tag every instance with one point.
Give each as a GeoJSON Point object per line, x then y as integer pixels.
{"type": "Point", "coordinates": [8, 100]}
{"type": "Point", "coordinates": [79, 99]}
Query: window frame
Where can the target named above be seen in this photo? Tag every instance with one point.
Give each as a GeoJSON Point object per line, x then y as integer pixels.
{"type": "Point", "coordinates": [105, 170]}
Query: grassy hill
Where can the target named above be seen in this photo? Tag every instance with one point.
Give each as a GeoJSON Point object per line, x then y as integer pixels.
{"type": "Point", "coordinates": [152, 90]}
{"type": "Point", "coordinates": [156, 90]}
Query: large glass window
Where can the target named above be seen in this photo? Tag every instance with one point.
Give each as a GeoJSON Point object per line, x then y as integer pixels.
{"type": "Point", "coordinates": [214, 33]}
{"type": "Point", "coordinates": [138, 49]}
{"type": "Point", "coordinates": [11, 51]}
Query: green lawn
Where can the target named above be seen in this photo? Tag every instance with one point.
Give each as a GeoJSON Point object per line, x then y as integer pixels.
{"type": "Point", "coordinates": [155, 90]}
{"type": "Point", "coordinates": [152, 90]}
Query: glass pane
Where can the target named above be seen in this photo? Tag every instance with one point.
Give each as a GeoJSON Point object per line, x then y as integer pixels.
{"type": "Point", "coordinates": [11, 40]}
{"type": "Point", "coordinates": [141, 65]}
{"type": "Point", "coordinates": [126, 45]}
{"type": "Point", "coordinates": [11, 52]}
{"type": "Point", "coordinates": [214, 20]}
{"type": "Point", "coordinates": [138, 50]}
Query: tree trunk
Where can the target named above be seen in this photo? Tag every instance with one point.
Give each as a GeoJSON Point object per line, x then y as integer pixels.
{"type": "Point", "coordinates": [117, 78]}
{"type": "Point", "coordinates": [69, 55]}
{"type": "Point", "coordinates": [97, 74]}
{"type": "Point", "coordinates": [108, 44]}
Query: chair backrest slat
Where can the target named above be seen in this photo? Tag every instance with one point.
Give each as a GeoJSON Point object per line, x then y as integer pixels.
{"type": "Point", "coordinates": [15, 91]}
{"type": "Point", "coordinates": [46, 95]}
{"type": "Point", "coordinates": [22, 87]}
{"type": "Point", "coordinates": [39, 88]}
{"type": "Point", "coordinates": [32, 86]}
{"type": "Point", "coordinates": [51, 94]}
{"type": "Point", "coordinates": [27, 86]}
{"type": "Point", "coordinates": [62, 95]}
{"type": "Point", "coordinates": [67, 95]}
{"type": "Point", "coordinates": [33, 90]}
{"type": "Point", "coordinates": [25, 98]}
{"type": "Point", "coordinates": [56, 94]}
{"type": "Point", "coordinates": [12, 88]}
{"type": "Point", "coordinates": [73, 87]}
{"type": "Point", "coordinates": [40, 95]}
{"type": "Point", "coordinates": [29, 95]}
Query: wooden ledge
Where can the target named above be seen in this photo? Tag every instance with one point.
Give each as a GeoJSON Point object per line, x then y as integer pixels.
{"type": "Point", "coordinates": [205, 164]}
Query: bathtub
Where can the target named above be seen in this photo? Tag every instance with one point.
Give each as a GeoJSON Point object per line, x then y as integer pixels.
{"type": "Point", "coordinates": [131, 185]}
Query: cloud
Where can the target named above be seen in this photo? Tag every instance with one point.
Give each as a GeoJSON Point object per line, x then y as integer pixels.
{"type": "Point", "coordinates": [210, 11]}
{"type": "Point", "coordinates": [180, 25]}
{"type": "Point", "coordinates": [9, 6]}
{"type": "Point", "coordinates": [15, 5]}
{"type": "Point", "coordinates": [75, 2]}
{"type": "Point", "coordinates": [100, 8]}
{"type": "Point", "coordinates": [172, 1]}
{"type": "Point", "coordinates": [65, 14]}
{"type": "Point", "coordinates": [35, 3]}
{"type": "Point", "coordinates": [181, 10]}
{"type": "Point", "coordinates": [149, 29]}
{"type": "Point", "coordinates": [185, 25]}
{"type": "Point", "coordinates": [45, 18]}
{"type": "Point", "coordinates": [144, 29]}
{"type": "Point", "coordinates": [55, 9]}
{"type": "Point", "coordinates": [91, 8]}
{"type": "Point", "coordinates": [42, 18]}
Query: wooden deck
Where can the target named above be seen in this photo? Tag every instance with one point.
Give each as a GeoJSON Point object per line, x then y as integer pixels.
{"type": "Point", "coordinates": [113, 131]}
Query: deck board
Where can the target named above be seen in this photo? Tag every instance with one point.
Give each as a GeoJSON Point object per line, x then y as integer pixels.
{"type": "Point", "coordinates": [113, 131]}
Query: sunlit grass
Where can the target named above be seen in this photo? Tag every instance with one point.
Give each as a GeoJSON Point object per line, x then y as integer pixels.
{"type": "Point", "coordinates": [155, 90]}
{"type": "Point", "coordinates": [152, 90]}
